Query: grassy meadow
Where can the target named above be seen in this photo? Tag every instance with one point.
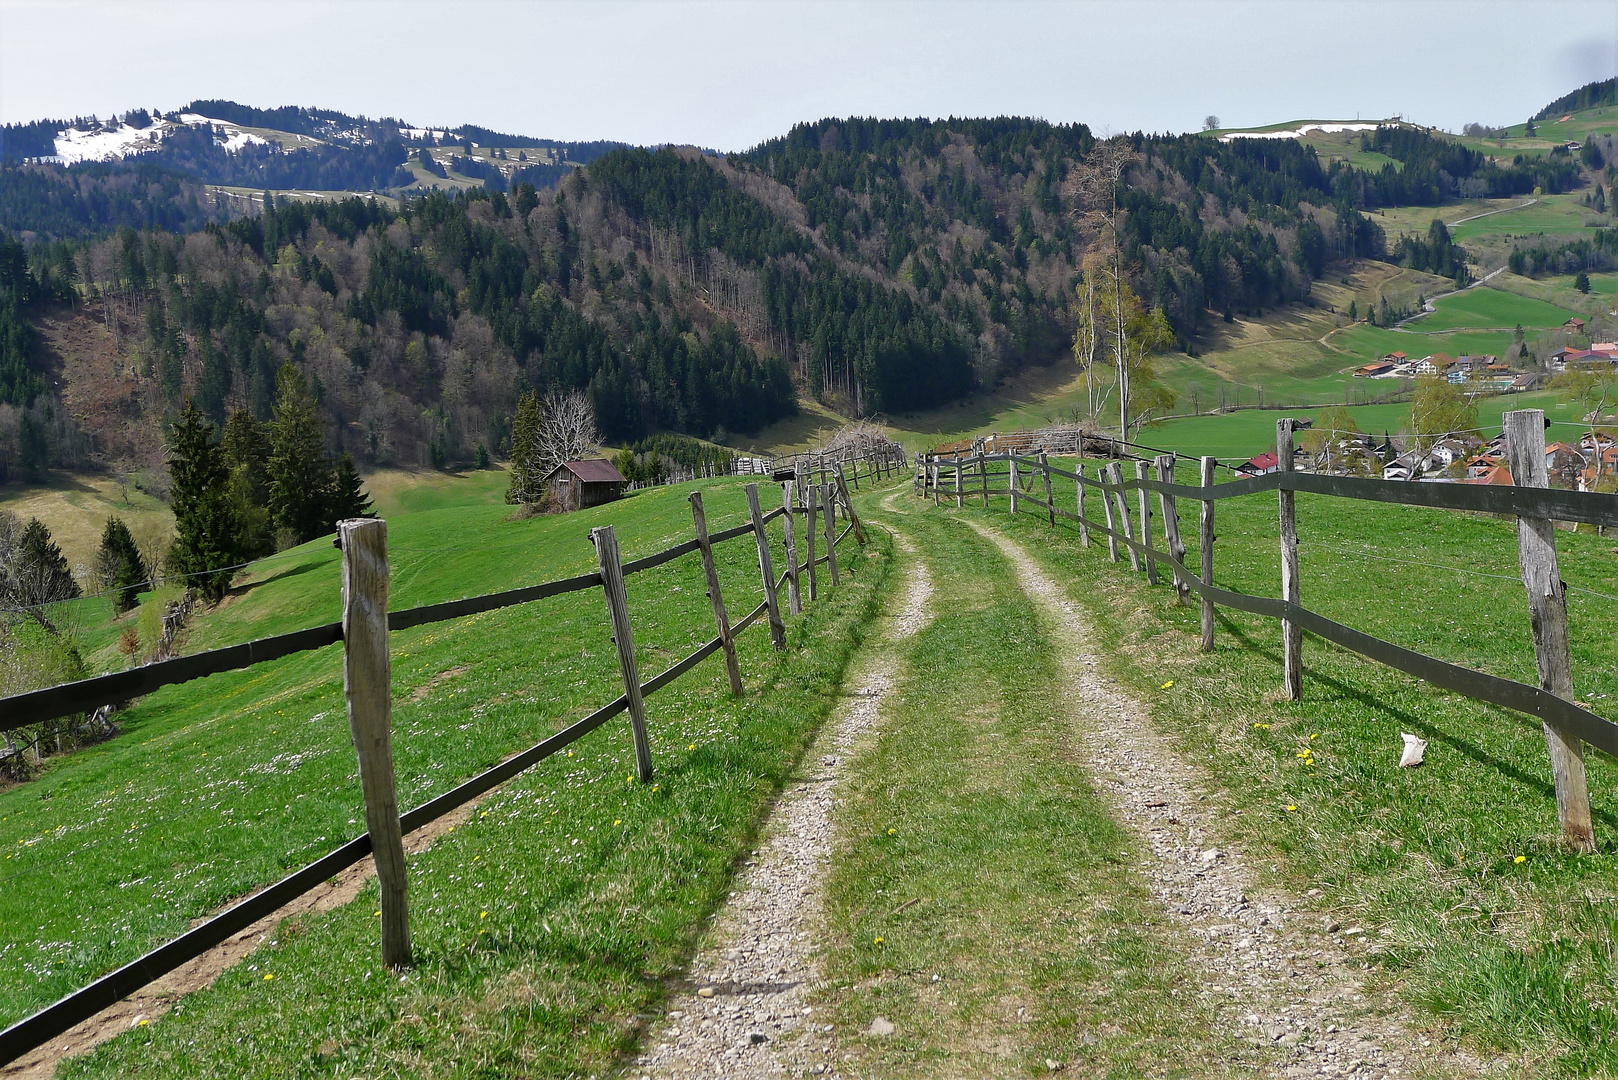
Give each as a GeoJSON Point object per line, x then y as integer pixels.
{"type": "Point", "coordinates": [1474, 913]}
{"type": "Point", "coordinates": [543, 925]}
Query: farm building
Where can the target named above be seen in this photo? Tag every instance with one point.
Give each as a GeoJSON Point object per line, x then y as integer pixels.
{"type": "Point", "coordinates": [577, 484]}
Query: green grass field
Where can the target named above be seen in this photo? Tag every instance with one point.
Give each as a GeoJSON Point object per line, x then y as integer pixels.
{"type": "Point", "coordinates": [1486, 307]}
{"type": "Point", "coordinates": [1475, 915]}
{"type": "Point", "coordinates": [594, 889]}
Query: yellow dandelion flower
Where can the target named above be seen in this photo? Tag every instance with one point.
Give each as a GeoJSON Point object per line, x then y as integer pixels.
{"type": "Point", "coordinates": [1520, 859]}
{"type": "Point", "coordinates": [655, 787]}
{"type": "Point", "coordinates": [892, 831]}
{"type": "Point", "coordinates": [268, 976]}
{"type": "Point", "coordinates": [878, 941]}
{"type": "Point", "coordinates": [484, 915]}
{"type": "Point", "coordinates": [1291, 807]}
{"type": "Point", "coordinates": [693, 746]}
{"type": "Point", "coordinates": [143, 1022]}
{"type": "Point", "coordinates": [1316, 735]}
{"type": "Point", "coordinates": [620, 821]}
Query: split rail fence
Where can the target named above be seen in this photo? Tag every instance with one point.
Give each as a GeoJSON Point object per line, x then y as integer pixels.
{"type": "Point", "coordinates": [364, 631]}
{"type": "Point", "coordinates": [1535, 505]}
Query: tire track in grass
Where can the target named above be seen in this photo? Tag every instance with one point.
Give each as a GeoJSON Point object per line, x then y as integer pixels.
{"type": "Point", "coordinates": [1266, 975]}
{"type": "Point", "coordinates": [745, 1010]}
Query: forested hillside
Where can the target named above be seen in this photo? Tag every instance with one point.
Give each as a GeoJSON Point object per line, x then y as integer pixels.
{"type": "Point", "coordinates": [879, 266]}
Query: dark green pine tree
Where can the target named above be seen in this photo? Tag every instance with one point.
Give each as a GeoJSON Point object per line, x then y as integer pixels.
{"type": "Point", "coordinates": [347, 498]}
{"type": "Point", "coordinates": [246, 449]}
{"type": "Point", "coordinates": [300, 476]}
{"type": "Point", "coordinates": [1582, 282]}
{"type": "Point", "coordinates": [207, 528]}
{"type": "Point", "coordinates": [524, 487]}
{"type": "Point", "coordinates": [119, 566]}
{"type": "Point", "coordinates": [40, 574]}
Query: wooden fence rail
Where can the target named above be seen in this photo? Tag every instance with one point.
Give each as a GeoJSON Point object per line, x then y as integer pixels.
{"type": "Point", "coordinates": [1535, 505]}
{"type": "Point", "coordinates": [367, 686]}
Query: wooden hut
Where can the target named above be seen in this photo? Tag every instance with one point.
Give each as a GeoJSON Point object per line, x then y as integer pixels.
{"type": "Point", "coordinates": [577, 484]}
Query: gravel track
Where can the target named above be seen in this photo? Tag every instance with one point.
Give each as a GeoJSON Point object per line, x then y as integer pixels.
{"type": "Point", "coordinates": [1277, 972]}
{"type": "Point", "coordinates": [744, 1012]}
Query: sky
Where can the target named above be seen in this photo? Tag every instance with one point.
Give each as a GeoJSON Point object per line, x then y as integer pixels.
{"type": "Point", "coordinates": [730, 75]}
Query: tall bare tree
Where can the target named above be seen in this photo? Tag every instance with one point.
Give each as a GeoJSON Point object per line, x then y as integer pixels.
{"type": "Point", "coordinates": [565, 430]}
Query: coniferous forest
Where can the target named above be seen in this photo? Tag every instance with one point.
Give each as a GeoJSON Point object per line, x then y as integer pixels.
{"type": "Point", "coordinates": [878, 266]}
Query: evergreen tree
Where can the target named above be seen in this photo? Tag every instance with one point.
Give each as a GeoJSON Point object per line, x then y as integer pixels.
{"type": "Point", "coordinates": [246, 451]}
{"type": "Point", "coordinates": [119, 566]}
{"type": "Point", "coordinates": [347, 497]}
{"type": "Point", "coordinates": [525, 426]}
{"type": "Point", "coordinates": [207, 528]}
{"type": "Point", "coordinates": [300, 476]}
{"type": "Point", "coordinates": [38, 572]}
{"type": "Point", "coordinates": [1582, 282]}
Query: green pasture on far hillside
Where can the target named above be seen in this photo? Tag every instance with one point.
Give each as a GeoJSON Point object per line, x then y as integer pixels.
{"type": "Point", "coordinates": [559, 909]}
{"type": "Point", "coordinates": [1484, 307]}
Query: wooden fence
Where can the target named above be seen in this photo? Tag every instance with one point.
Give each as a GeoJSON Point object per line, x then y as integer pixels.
{"type": "Point", "coordinates": [364, 630]}
{"type": "Point", "coordinates": [1535, 505]}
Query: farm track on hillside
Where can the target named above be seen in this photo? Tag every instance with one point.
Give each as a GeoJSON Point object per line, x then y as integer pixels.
{"type": "Point", "coordinates": [743, 1011]}
{"type": "Point", "coordinates": [1266, 970]}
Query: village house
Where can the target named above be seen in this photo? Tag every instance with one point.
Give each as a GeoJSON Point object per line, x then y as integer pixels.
{"type": "Point", "coordinates": [1261, 465]}
{"type": "Point", "coordinates": [575, 485]}
{"type": "Point", "coordinates": [1436, 364]}
{"type": "Point", "coordinates": [1574, 324]}
{"type": "Point", "coordinates": [1563, 463]}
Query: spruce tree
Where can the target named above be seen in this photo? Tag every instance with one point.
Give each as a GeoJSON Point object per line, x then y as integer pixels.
{"type": "Point", "coordinates": [246, 450]}
{"type": "Point", "coordinates": [347, 497]}
{"type": "Point", "coordinates": [39, 571]}
{"type": "Point", "coordinates": [300, 476]}
{"type": "Point", "coordinates": [206, 525]}
{"type": "Point", "coordinates": [524, 487]}
{"type": "Point", "coordinates": [119, 566]}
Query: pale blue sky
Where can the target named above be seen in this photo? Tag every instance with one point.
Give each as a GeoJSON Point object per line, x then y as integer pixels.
{"type": "Point", "coordinates": [728, 75]}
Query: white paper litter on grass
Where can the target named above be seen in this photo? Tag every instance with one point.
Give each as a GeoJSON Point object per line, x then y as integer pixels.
{"type": "Point", "coordinates": [1414, 749]}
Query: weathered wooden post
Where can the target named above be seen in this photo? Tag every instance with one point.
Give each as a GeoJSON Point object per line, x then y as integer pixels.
{"type": "Point", "coordinates": [1291, 632]}
{"type": "Point", "coordinates": [733, 669]}
{"type": "Point", "coordinates": [1045, 471]}
{"type": "Point", "coordinates": [810, 503]}
{"type": "Point", "coordinates": [1206, 542]}
{"type": "Point", "coordinates": [1125, 526]}
{"type": "Point", "coordinates": [983, 478]}
{"type": "Point", "coordinates": [1547, 615]}
{"type": "Point", "coordinates": [1144, 501]}
{"type": "Point", "coordinates": [766, 569]}
{"type": "Point", "coordinates": [1171, 523]}
{"type": "Point", "coordinates": [794, 599]}
{"type": "Point", "coordinates": [957, 471]}
{"type": "Point", "coordinates": [612, 583]}
{"type": "Point", "coordinates": [1078, 499]}
{"type": "Point", "coordinates": [828, 505]}
{"type": "Point", "coordinates": [848, 505]}
{"type": "Point", "coordinates": [368, 686]}
{"type": "Point", "coordinates": [1011, 480]}
{"type": "Point", "coordinates": [933, 476]}
{"type": "Point", "coordinates": [1104, 474]}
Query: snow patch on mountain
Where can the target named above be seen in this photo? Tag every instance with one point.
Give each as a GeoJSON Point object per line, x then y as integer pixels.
{"type": "Point", "coordinates": [1301, 130]}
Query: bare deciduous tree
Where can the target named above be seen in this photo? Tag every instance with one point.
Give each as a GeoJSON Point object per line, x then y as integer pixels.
{"type": "Point", "coordinates": [564, 430]}
{"type": "Point", "coordinates": [1210, 122]}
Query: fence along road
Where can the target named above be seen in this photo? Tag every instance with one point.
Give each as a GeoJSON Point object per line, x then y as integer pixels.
{"type": "Point", "coordinates": [1536, 506]}
{"type": "Point", "coordinates": [366, 684]}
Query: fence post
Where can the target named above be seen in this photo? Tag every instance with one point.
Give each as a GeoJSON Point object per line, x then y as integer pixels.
{"type": "Point", "coordinates": [1104, 474]}
{"type": "Point", "coordinates": [848, 504]}
{"type": "Point", "coordinates": [1547, 610]}
{"type": "Point", "coordinates": [828, 508]}
{"type": "Point", "coordinates": [957, 471]}
{"type": "Point", "coordinates": [1084, 524]}
{"type": "Point", "coordinates": [1171, 523]}
{"type": "Point", "coordinates": [1125, 526]}
{"type": "Point", "coordinates": [1144, 500]}
{"type": "Point", "coordinates": [983, 479]}
{"type": "Point", "coordinates": [766, 569]}
{"type": "Point", "coordinates": [794, 599]}
{"type": "Point", "coordinates": [368, 686]}
{"type": "Point", "coordinates": [1045, 470]}
{"type": "Point", "coordinates": [1011, 480]}
{"type": "Point", "coordinates": [612, 583]}
{"type": "Point", "coordinates": [809, 535]}
{"type": "Point", "coordinates": [932, 475]}
{"type": "Point", "coordinates": [732, 669]}
{"type": "Point", "coordinates": [1291, 632]}
{"type": "Point", "coordinates": [1206, 542]}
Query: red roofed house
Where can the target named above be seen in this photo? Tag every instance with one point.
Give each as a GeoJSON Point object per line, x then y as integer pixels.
{"type": "Point", "coordinates": [577, 484]}
{"type": "Point", "coordinates": [1266, 462]}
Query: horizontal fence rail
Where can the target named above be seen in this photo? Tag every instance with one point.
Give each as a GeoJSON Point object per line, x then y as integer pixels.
{"type": "Point", "coordinates": [37, 1029]}
{"type": "Point", "coordinates": [963, 477]}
